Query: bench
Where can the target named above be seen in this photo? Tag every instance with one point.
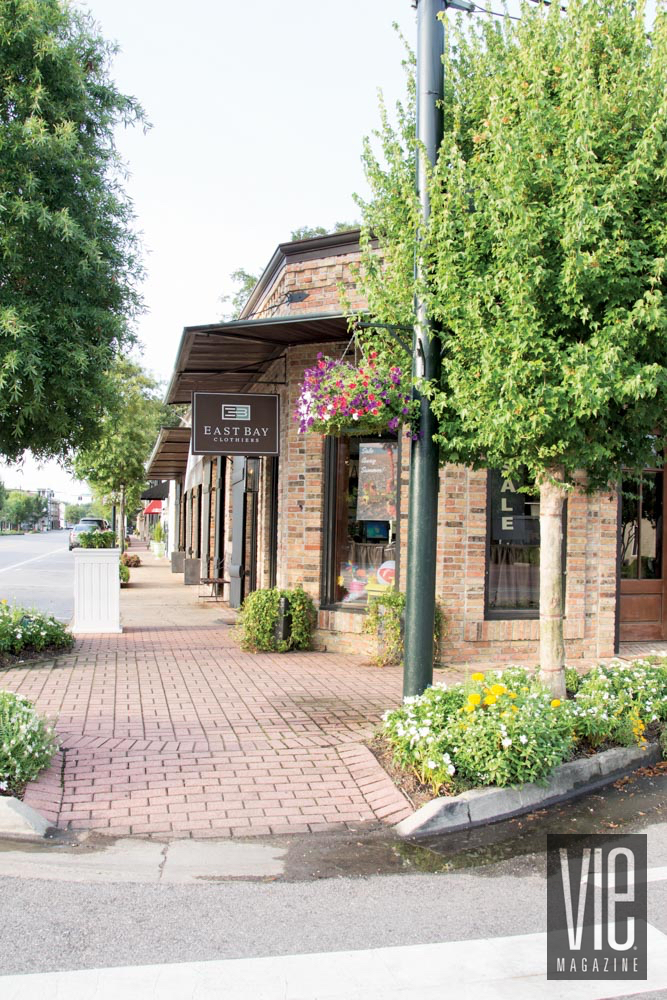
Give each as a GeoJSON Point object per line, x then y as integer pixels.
{"type": "Point", "coordinates": [214, 585]}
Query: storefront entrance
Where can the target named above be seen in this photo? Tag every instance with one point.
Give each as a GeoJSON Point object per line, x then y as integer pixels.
{"type": "Point", "coordinates": [643, 604]}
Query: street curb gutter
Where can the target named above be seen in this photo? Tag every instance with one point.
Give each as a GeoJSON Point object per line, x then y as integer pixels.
{"type": "Point", "coordinates": [489, 805]}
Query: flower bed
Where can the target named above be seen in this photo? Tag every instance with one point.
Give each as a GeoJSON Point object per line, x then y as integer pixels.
{"type": "Point", "coordinates": [504, 728]}
{"type": "Point", "coordinates": [338, 397]}
{"type": "Point", "coordinates": [131, 560]}
{"type": "Point", "coordinates": [27, 743]}
{"type": "Point", "coordinates": [28, 632]}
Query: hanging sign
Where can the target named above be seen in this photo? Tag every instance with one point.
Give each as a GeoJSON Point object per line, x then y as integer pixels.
{"type": "Point", "coordinates": [233, 423]}
{"type": "Point", "coordinates": [376, 496]}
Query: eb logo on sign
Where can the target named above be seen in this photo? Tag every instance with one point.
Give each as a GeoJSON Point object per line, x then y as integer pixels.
{"type": "Point", "coordinates": [596, 906]}
{"type": "Point", "coordinates": [237, 412]}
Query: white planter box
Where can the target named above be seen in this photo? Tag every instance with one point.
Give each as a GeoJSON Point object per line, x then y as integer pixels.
{"type": "Point", "coordinates": [96, 591]}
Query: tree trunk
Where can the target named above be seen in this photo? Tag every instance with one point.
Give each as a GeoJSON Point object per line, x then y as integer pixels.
{"type": "Point", "coordinates": [552, 647]}
{"type": "Point", "coordinates": [121, 520]}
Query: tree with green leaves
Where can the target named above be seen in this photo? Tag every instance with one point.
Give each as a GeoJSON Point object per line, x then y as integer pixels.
{"type": "Point", "coordinates": [75, 511]}
{"type": "Point", "coordinates": [23, 508]}
{"type": "Point", "coordinates": [115, 466]}
{"type": "Point", "coordinates": [545, 258]}
{"type": "Point", "coordinates": [69, 258]}
{"type": "Point", "coordinates": [244, 283]}
{"type": "Point", "coordinates": [310, 232]}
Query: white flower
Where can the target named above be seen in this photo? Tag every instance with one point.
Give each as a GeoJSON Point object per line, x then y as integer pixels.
{"type": "Point", "coordinates": [507, 742]}
{"type": "Point", "coordinates": [451, 769]}
{"type": "Point", "coordinates": [523, 739]}
{"type": "Point", "coordinates": [431, 764]}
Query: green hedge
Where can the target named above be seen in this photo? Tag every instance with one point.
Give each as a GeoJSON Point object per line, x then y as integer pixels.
{"type": "Point", "coordinates": [259, 615]}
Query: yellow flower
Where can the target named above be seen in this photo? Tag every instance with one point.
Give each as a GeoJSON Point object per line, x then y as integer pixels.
{"type": "Point", "coordinates": [555, 703]}
{"type": "Point", "coordinates": [511, 694]}
{"type": "Point", "coordinates": [477, 677]}
{"type": "Point", "coordinates": [4, 600]}
{"type": "Point", "coordinates": [514, 708]}
{"type": "Point", "coordinates": [490, 699]}
{"type": "Point", "coordinates": [468, 708]}
{"type": "Point", "coordinates": [498, 689]}
{"type": "Point", "coordinates": [474, 699]}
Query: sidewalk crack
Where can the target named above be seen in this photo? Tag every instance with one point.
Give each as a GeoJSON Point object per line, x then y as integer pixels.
{"type": "Point", "coordinates": [163, 862]}
{"type": "Point", "coordinates": [63, 764]}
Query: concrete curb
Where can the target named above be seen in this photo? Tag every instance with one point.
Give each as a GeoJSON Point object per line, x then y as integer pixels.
{"type": "Point", "coordinates": [18, 820]}
{"type": "Point", "coordinates": [489, 805]}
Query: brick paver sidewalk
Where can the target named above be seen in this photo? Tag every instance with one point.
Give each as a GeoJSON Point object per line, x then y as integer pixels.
{"type": "Point", "coordinates": [171, 729]}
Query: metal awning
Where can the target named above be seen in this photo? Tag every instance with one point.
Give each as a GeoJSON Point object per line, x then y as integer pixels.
{"type": "Point", "coordinates": [229, 357]}
{"type": "Point", "coordinates": [158, 492]}
{"type": "Point", "coordinates": [170, 454]}
{"type": "Point", "coordinates": [154, 507]}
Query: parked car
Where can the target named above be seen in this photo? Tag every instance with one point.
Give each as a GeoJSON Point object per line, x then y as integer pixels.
{"type": "Point", "coordinates": [99, 522]}
{"type": "Point", "coordinates": [78, 529]}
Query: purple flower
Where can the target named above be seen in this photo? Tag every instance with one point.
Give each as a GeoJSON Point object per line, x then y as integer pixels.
{"type": "Point", "coordinates": [393, 424]}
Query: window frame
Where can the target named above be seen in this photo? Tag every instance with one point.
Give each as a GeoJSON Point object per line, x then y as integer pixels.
{"type": "Point", "coordinates": [627, 473]}
{"type": "Point", "coordinates": [328, 575]}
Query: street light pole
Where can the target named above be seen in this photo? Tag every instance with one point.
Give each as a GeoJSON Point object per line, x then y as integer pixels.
{"type": "Point", "coordinates": [423, 502]}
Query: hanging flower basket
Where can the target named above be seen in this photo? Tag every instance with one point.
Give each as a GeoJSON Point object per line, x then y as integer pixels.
{"type": "Point", "coordinates": [338, 397]}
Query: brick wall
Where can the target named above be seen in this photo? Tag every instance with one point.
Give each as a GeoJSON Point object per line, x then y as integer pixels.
{"type": "Point", "coordinates": [323, 281]}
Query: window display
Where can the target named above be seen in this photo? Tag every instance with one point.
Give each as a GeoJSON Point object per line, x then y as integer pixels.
{"type": "Point", "coordinates": [365, 521]}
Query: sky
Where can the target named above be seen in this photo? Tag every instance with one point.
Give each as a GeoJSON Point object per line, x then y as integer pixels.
{"type": "Point", "coordinates": [258, 112]}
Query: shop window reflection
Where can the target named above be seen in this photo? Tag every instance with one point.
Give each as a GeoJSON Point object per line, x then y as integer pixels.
{"type": "Point", "coordinates": [641, 527]}
{"type": "Point", "coordinates": [365, 501]}
{"type": "Point", "coordinates": [513, 582]}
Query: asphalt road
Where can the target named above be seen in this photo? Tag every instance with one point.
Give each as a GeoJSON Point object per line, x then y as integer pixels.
{"type": "Point", "coordinates": [336, 893]}
{"type": "Point", "coordinates": [37, 571]}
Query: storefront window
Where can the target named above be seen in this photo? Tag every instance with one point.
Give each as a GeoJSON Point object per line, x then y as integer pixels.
{"type": "Point", "coordinates": [362, 519]}
{"type": "Point", "coordinates": [513, 558]}
{"type": "Point", "coordinates": [641, 527]}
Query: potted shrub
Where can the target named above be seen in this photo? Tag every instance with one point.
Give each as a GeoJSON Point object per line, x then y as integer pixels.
{"type": "Point", "coordinates": [157, 540]}
{"type": "Point", "coordinates": [96, 584]}
{"type": "Point", "coordinates": [274, 620]}
{"type": "Point", "coordinates": [385, 620]}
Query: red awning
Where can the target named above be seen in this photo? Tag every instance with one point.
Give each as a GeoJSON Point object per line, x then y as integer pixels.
{"type": "Point", "coordinates": [154, 507]}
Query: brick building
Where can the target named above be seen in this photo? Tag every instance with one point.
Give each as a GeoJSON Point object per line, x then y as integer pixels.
{"type": "Point", "coordinates": [296, 518]}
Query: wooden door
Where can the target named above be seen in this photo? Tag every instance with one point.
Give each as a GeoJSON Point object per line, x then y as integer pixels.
{"type": "Point", "coordinates": [643, 607]}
